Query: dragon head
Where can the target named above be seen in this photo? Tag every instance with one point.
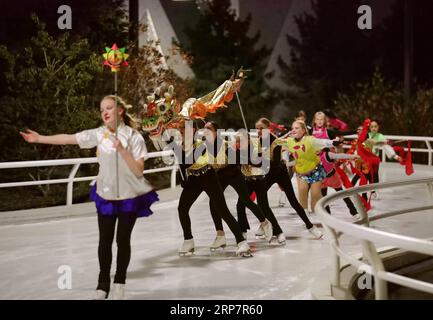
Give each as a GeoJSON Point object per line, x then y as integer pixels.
{"type": "Point", "coordinates": [161, 112]}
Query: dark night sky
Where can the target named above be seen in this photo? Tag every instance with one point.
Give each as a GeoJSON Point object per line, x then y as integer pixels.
{"type": "Point", "coordinates": [15, 21]}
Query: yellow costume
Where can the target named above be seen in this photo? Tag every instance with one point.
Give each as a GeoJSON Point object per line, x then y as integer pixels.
{"type": "Point", "coordinates": [304, 152]}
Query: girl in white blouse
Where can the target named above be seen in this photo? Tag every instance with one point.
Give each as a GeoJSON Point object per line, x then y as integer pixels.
{"type": "Point", "coordinates": [135, 194]}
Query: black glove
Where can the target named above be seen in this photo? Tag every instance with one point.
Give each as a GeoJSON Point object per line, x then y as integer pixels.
{"type": "Point", "coordinates": [336, 143]}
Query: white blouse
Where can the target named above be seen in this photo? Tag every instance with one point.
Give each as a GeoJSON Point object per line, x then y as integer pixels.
{"type": "Point", "coordinates": [130, 186]}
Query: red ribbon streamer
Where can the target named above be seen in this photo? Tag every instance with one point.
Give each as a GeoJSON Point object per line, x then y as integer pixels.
{"type": "Point", "coordinates": [275, 127]}
{"type": "Point", "coordinates": [406, 158]}
{"type": "Point", "coordinates": [348, 184]}
{"type": "Point", "coordinates": [253, 196]}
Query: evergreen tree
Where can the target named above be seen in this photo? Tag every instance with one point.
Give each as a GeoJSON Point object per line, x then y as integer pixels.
{"type": "Point", "coordinates": [100, 21]}
{"type": "Point", "coordinates": [329, 56]}
{"type": "Point", "coordinates": [390, 42]}
{"type": "Point", "coordinates": [219, 44]}
{"type": "Point", "coordinates": [54, 84]}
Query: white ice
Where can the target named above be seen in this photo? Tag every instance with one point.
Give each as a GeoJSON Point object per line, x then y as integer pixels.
{"type": "Point", "coordinates": [32, 253]}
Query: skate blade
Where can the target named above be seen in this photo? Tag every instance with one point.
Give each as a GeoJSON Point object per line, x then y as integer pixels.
{"type": "Point", "coordinates": [215, 249]}
{"type": "Point", "coordinates": [260, 236]}
{"type": "Point", "coordinates": [245, 254]}
{"type": "Point", "coordinates": [318, 238]}
{"type": "Point", "coordinates": [186, 254]}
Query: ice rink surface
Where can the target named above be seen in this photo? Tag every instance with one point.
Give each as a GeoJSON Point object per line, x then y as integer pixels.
{"type": "Point", "coordinates": [31, 254]}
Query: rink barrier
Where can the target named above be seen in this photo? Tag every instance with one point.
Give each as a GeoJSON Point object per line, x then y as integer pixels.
{"type": "Point", "coordinates": [76, 163]}
{"type": "Point", "coordinates": [371, 261]}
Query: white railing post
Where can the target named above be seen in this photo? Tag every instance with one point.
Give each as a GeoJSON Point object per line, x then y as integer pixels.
{"type": "Point", "coordinates": [70, 188]}
{"type": "Point", "coordinates": [173, 177]}
{"type": "Point", "coordinates": [380, 285]}
{"type": "Point", "coordinates": [368, 238]}
{"type": "Point", "coordinates": [335, 263]}
{"type": "Point", "coordinates": [430, 189]}
{"type": "Point", "coordinates": [430, 154]}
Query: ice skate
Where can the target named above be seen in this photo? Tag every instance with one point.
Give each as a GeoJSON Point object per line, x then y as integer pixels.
{"type": "Point", "coordinates": [187, 248]}
{"type": "Point", "coordinates": [281, 238]}
{"type": "Point", "coordinates": [267, 231]}
{"type": "Point", "coordinates": [315, 232]}
{"type": "Point", "coordinates": [357, 217]}
{"type": "Point", "coordinates": [260, 233]}
{"type": "Point", "coordinates": [243, 249]}
{"type": "Point", "coordinates": [219, 242]}
{"type": "Point", "coordinates": [100, 295]}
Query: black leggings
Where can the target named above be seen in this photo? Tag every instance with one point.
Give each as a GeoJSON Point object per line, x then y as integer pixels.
{"type": "Point", "coordinates": [235, 178]}
{"type": "Point", "coordinates": [207, 182]}
{"type": "Point", "coordinates": [280, 176]}
{"type": "Point", "coordinates": [259, 187]}
{"type": "Point", "coordinates": [107, 226]}
{"type": "Point", "coordinates": [348, 202]}
{"type": "Point", "coordinates": [370, 179]}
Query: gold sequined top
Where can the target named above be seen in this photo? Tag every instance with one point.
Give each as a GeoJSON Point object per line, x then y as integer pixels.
{"type": "Point", "coordinates": [221, 160]}
{"type": "Point", "coordinates": [201, 165]}
{"type": "Point", "coordinates": [250, 171]}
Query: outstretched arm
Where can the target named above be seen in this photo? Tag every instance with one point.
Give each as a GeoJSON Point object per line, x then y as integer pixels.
{"type": "Point", "coordinates": [342, 156]}
{"type": "Point", "coordinates": [33, 137]}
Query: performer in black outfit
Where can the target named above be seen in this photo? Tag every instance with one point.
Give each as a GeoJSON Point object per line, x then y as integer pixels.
{"type": "Point", "coordinates": [196, 178]}
{"type": "Point", "coordinates": [278, 173]}
{"type": "Point", "coordinates": [256, 182]}
{"type": "Point", "coordinates": [230, 174]}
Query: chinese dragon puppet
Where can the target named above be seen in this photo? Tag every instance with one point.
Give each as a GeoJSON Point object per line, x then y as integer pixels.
{"type": "Point", "coordinates": [163, 111]}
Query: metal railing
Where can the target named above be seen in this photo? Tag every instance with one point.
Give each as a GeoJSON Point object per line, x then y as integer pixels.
{"type": "Point", "coordinates": [76, 163]}
{"type": "Point", "coordinates": [372, 262]}
{"type": "Point", "coordinates": [79, 161]}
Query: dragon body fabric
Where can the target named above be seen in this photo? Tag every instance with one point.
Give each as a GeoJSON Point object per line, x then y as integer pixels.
{"type": "Point", "coordinates": [164, 112]}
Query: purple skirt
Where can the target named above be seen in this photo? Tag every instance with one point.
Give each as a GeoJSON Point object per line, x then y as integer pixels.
{"type": "Point", "coordinates": [140, 205]}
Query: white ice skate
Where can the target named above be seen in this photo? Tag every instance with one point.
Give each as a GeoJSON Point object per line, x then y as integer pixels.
{"type": "Point", "coordinates": [243, 249]}
{"type": "Point", "coordinates": [357, 217]}
{"type": "Point", "coordinates": [219, 242]}
{"type": "Point", "coordinates": [100, 295]}
{"type": "Point", "coordinates": [315, 232]}
{"type": "Point", "coordinates": [260, 233]}
{"type": "Point", "coordinates": [267, 231]}
{"type": "Point", "coordinates": [187, 247]}
{"type": "Point", "coordinates": [281, 238]}
{"type": "Point", "coordinates": [118, 291]}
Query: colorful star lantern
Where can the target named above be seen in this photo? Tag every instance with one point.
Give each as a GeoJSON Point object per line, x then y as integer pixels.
{"type": "Point", "coordinates": [115, 58]}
